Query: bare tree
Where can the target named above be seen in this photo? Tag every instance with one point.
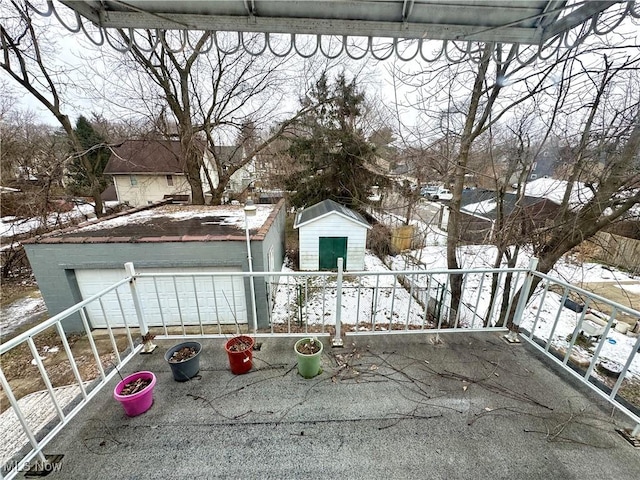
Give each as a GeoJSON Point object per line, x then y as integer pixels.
{"type": "Point", "coordinates": [483, 94]}
{"type": "Point", "coordinates": [24, 59]}
{"type": "Point", "coordinates": [213, 98]}
{"type": "Point", "coordinates": [474, 102]}
{"type": "Point", "coordinates": [31, 160]}
{"type": "Point", "coordinates": [610, 131]}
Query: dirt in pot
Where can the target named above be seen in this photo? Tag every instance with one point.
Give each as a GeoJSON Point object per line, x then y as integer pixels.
{"type": "Point", "coordinates": [240, 346]}
{"type": "Point", "coordinates": [135, 386]}
{"type": "Point", "coordinates": [184, 354]}
{"type": "Point", "coordinates": [309, 347]}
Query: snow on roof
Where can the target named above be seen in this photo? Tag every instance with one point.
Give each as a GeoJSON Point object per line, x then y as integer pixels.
{"type": "Point", "coordinates": [553, 190]}
{"type": "Point", "coordinates": [483, 208]}
{"type": "Point", "coordinates": [327, 207]}
{"type": "Point", "coordinates": [231, 216]}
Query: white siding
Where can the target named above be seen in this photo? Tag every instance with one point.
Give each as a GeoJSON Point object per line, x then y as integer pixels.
{"type": "Point", "coordinates": [332, 225]}
{"type": "Point", "coordinates": [209, 163]}
{"type": "Point", "coordinates": [149, 188]}
{"type": "Point", "coordinates": [240, 179]}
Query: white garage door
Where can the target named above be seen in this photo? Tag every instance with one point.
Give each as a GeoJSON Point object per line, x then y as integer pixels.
{"type": "Point", "coordinates": [174, 300]}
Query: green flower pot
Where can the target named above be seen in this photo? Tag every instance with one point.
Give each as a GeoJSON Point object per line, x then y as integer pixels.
{"type": "Point", "coordinates": [308, 363]}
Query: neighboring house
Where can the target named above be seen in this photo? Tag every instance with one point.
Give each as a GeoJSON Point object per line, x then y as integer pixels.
{"type": "Point", "coordinates": [73, 264]}
{"type": "Point", "coordinates": [479, 213]}
{"type": "Point", "coordinates": [328, 231]}
{"type": "Point", "coordinates": [553, 190]}
{"type": "Point", "coordinates": [148, 171]}
{"type": "Point", "coordinates": [231, 156]}
{"type": "Point", "coordinates": [544, 165]}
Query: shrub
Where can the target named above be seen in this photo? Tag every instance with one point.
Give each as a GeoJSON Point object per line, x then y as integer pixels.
{"type": "Point", "coordinates": [379, 241]}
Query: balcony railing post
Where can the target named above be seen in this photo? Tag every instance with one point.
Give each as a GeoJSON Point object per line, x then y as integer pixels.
{"type": "Point", "coordinates": [337, 339]}
{"type": "Point", "coordinates": [21, 418]}
{"type": "Point", "coordinates": [137, 304]}
{"type": "Point", "coordinates": [512, 336]}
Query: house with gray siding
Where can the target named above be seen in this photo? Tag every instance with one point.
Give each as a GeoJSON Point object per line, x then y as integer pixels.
{"type": "Point", "coordinates": [73, 264]}
{"type": "Point", "coordinates": [328, 231]}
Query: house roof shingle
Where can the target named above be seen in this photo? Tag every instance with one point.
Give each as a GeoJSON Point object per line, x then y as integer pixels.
{"type": "Point", "coordinates": [146, 156]}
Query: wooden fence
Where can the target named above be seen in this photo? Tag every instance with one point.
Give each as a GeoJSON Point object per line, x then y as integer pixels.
{"type": "Point", "coordinates": [618, 251]}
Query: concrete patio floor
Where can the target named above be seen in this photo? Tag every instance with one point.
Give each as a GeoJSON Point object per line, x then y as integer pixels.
{"type": "Point", "coordinates": [384, 407]}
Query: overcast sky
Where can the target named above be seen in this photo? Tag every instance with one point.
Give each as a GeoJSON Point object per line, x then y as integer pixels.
{"type": "Point", "coordinates": [72, 51]}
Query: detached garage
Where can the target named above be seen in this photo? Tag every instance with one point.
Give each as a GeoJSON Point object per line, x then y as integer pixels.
{"type": "Point", "coordinates": [78, 262]}
{"type": "Point", "coordinates": [328, 231]}
{"type": "Point", "coordinates": [167, 300]}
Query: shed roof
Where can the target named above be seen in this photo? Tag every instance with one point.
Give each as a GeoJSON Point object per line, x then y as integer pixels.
{"type": "Point", "coordinates": [325, 208]}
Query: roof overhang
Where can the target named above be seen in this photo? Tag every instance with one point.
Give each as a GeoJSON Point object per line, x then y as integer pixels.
{"type": "Point", "coordinates": [518, 21]}
{"type": "Point", "coordinates": [297, 223]}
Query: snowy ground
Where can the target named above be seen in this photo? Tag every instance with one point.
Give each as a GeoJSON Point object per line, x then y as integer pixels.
{"type": "Point", "coordinates": [616, 347]}
{"type": "Point", "coordinates": [11, 226]}
{"type": "Point", "coordinates": [18, 313]}
{"type": "Point", "coordinates": [38, 410]}
{"type": "Point", "coordinates": [371, 302]}
{"type": "Point", "coordinates": [368, 299]}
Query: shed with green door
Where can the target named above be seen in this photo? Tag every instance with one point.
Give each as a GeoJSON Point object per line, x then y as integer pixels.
{"type": "Point", "coordinates": [328, 231]}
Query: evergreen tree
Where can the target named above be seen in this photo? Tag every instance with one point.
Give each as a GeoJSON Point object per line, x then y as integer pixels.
{"type": "Point", "coordinates": [97, 155]}
{"type": "Point", "coordinates": [332, 148]}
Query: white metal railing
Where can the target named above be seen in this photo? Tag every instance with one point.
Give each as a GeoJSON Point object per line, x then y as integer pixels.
{"type": "Point", "coordinates": [35, 437]}
{"type": "Point", "coordinates": [213, 305]}
{"type": "Point", "coordinates": [326, 302]}
{"type": "Point", "coordinates": [583, 340]}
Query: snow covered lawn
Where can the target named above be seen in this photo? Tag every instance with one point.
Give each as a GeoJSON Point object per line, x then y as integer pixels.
{"type": "Point", "coordinates": [11, 226]}
{"type": "Point", "coordinates": [363, 309]}
{"type": "Point", "coordinates": [20, 312]}
{"type": "Point", "coordinates": [368, 300]}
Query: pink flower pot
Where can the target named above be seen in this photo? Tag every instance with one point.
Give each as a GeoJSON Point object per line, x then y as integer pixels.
{"type": "Point", "coordinates": [139, 402]}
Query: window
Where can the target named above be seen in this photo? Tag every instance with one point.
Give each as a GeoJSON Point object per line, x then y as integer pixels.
{"type": "Point", "coordinates": [170, 180]}
{"type": "Point", "coordinates": [533, 176]}
{"type": "Point", "coordinates": [133, 180]}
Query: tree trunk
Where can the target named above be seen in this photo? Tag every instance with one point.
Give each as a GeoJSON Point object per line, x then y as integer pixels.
{"type": "Point", "coordinates": [591, 218]}
{"type": "Point", "coordinates": [467, 137]}
{"type": "Point", "coordinates": [192, 166]}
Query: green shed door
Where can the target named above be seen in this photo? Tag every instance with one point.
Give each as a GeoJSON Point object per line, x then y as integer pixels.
{"type": "Point", "coordinates": [332, 248]}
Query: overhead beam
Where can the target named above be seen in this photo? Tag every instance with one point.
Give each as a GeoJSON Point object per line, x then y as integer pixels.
{"type": "Point", "coordinates": [525, 23]}
{"type": "Point", "coordinates": [577, 17]}
{"type": "Point", "coordinates": [357, 28]}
